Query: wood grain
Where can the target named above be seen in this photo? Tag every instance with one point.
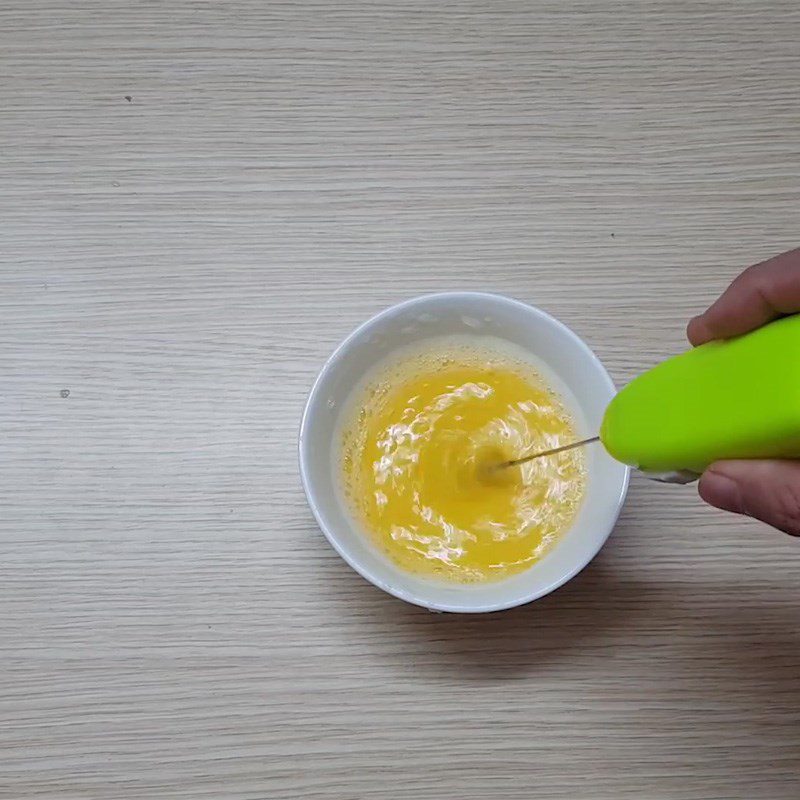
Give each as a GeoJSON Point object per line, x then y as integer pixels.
{"type": "Point", "coordinates": [197, 201]}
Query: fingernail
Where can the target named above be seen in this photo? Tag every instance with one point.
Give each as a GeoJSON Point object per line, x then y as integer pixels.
{"type": "Point", "coordinates": [696, 330]}
{"type": "Point", "coordinates": [721, 491]}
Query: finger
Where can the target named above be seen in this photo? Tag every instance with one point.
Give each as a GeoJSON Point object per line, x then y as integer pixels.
{"type": "Point", "coordinates": [760, 294]}
{"type": "Point", "coordinates": [766, 490]}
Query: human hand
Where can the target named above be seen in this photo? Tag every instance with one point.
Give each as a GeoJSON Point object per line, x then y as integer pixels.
{"type": "Point", "coordinates": [767, 490]}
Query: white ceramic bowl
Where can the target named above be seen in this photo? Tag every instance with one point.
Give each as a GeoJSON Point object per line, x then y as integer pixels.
{"type": "Point", "coordinates": [564, 361]}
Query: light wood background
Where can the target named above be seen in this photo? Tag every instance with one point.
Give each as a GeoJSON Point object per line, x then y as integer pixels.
{"type": "Point", "coordinates": [197, 201]}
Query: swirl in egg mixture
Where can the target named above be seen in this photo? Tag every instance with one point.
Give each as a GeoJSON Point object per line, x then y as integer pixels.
{"type": "Point", "coordinates": [417, 451]}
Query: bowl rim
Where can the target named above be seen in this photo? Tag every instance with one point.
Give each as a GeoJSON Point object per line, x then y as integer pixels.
{"type": "Point", "coordinates": [397, 591]}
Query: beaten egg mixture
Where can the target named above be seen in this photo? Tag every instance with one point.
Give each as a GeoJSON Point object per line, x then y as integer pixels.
{"type": "Point", "coordinates": [419, 454]}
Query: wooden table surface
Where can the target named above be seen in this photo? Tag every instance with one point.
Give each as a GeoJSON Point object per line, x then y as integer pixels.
{"type": "Point", "coordinates": [197, 201]}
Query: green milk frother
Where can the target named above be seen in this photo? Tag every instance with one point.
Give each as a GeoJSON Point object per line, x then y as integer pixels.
{"type": "Point", "coordinates": [738, 398]}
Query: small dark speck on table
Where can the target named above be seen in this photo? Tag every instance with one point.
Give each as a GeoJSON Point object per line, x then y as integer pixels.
{"type": "Point", "coordinates": [612, 235]}
{"type": "Point", "coordinates": [128, 98]}
{"type": "Point", "coordinates": [64, 392]}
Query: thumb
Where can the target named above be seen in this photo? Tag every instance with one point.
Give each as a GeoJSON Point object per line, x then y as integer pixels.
{"type": "Point", "coordinates": [766, 490]}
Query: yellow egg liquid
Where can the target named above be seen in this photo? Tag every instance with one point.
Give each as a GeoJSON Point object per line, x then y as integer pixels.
{"type": "Point", "coordinates": [419, 451]}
